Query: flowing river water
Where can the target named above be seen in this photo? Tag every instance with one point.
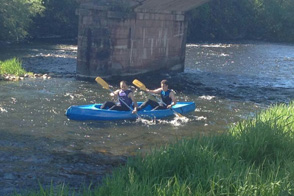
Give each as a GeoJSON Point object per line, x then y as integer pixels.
{"type": "Point", "coordinates": [229, 82]}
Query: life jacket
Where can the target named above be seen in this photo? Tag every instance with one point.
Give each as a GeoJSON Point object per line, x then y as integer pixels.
{"type": "Point", "coordinates": [165, 97]}
{"type": "Point", "coordinates": [123, 95]}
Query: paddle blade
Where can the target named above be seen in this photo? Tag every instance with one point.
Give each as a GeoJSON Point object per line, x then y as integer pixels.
{"type": "Point", "coordinates": [139, 84]}
{"type": "Point", "coordinates": [102, 83]}
{"type": "Point", "coordinates": [178, 114]}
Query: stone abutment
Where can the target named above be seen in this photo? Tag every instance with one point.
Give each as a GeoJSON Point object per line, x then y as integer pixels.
{"type": "Point", "coordinates": [120, 39]}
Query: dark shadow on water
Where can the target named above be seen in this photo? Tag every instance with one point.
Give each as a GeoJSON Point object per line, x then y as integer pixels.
{"type": "Point", "coordinates": [27, 161]}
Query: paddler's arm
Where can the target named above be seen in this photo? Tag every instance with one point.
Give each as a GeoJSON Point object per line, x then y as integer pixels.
{"type": "Point", "coordinates": [173, 98]}
{"type": "Point", "coordinates": [156, 91]}
{"type": "Point", "coordinates": [134, 101]}
{"type": "Point", "coordinates": [114, 93]}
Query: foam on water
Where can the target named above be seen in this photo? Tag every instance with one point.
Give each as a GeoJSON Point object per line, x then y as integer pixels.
{"type": "Point", "coordinates": [176, 121]}
{"type": "Point", "coordinates": [146, 121]}
{"type": "Point", "coordinates": [2, 110]}
{"type": "Point", "coordinates": [207, 97]}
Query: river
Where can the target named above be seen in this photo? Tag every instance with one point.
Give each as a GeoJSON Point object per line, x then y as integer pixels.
{"type": "Point", "coordinates": [229, 82]}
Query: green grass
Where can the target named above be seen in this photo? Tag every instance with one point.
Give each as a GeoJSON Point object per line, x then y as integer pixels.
{"type": "Point", "coordinates": [12, 67]}
{"type": "Point", "coordinates": [255, 157]}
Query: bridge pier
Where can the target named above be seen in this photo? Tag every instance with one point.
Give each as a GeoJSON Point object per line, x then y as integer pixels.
{"type": "Point", "coordinates": [124, 40]}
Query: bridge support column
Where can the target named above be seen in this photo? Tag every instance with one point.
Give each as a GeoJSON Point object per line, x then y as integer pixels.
{"type": "Point", "coordinates": [130, 42]}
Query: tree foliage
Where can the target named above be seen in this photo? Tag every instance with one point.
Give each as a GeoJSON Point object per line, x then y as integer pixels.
{"type": "Point", "coordinates": [243, 19]}
{"type": "Point", "coordinates": [58, 19]}
{"type": "Point", "coordinates": [16, 17]}
{"type": "Point", "coordinates": [20, 19]}
{"type": "Point", "coordinates": [217, 20]}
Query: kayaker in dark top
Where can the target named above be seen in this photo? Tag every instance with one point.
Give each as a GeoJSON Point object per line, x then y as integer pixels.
{"type": "Point", "coordinates": [125, 97]}
{"type": "Point", "coordinates": [167, 96]}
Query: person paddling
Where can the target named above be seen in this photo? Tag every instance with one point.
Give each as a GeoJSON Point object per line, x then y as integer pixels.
{"type": "Point", "coordinates": [167, 96]}
{"type": "Point", "coordinates": [125, 97]}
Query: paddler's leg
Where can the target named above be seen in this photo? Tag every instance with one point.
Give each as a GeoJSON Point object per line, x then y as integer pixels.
{"type": "Point", "coordinates": [119, 108]}
{"type": "Point", "coordinates": [160, 107]}
{"type": "Point", "coordinates": [107, 104]}
{"type": "Point", "coordinates": [150, 102]}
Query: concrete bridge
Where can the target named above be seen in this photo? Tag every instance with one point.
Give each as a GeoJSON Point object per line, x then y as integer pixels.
{"type": "Point", "coordinates": [130, 37]}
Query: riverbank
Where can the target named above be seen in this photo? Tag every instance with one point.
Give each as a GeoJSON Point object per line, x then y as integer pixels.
{"type": "Point", "coordinates": [36, 67]}
{"type": "Point", "coordinates": [44, 59]}
{"type": "Point", "coordinates": [254, 157]}
{"type": "Point", "coordinates": [12, 70]}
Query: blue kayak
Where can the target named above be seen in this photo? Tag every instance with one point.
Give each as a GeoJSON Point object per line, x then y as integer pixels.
{"type": "Point", "coordinates": [93, 112]}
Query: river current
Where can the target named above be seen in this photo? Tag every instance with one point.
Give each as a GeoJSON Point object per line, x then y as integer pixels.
{"type": "Point", "coordinates": [229, 82]}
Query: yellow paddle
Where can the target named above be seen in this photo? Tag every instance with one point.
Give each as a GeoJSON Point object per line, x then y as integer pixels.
{"type": "Point", "coordinates": [105, 85]}
{"type": "Point", "coordinates": [102, 83]}
{"type": "Point", "coordinates": [141, 86]}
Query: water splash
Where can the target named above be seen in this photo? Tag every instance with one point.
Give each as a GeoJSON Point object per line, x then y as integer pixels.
{"type": "Point", "coordinates": [13, 100]}
{"type": "Point", "coordinates": [69, 95]}
{"type": "Point", "coordinates": [199, 118]}
{"type": "Point", "coordinates": [176, 121]}
{"type": "Point", "coordinates": [179, 121]}
{"type": "Point", "coordinates": [207, 97]}
{"type": "Point", "coordinates": [2, 110]}
{"type": "Point", "coordinates": [211, 45]}
{"type": "Point", "coordinates": [146, 121]}
{"type": "Point", "coordinates": [74, 96]}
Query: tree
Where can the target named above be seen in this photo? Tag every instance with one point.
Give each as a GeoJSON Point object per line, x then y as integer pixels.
{"type": "Point", "coordinates": [58, 19]}
{"type": "Point", "coordinates": [243, 19]}
{"type": "Point", "coordinates": [16, 18]}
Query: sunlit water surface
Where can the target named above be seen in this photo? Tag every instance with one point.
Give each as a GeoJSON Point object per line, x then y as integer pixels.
{"type": "Point", "coordinates": [228, 83]}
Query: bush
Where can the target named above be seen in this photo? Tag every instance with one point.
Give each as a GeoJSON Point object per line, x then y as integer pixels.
{"type": "Point", "coordinates": [12, 66]}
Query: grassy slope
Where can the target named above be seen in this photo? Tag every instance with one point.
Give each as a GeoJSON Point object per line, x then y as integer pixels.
{"type": "Point", "coordinates": [256, 157]}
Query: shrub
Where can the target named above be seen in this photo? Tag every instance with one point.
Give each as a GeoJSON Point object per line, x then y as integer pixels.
{"type": "Point", "coordinates": [12, 66]}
